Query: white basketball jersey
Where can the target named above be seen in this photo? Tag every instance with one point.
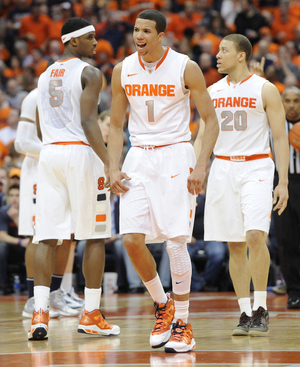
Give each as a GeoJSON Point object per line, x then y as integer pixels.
{"type": "Point", "coordinates": [59, 93]}
{"type": "Point", "coordinates": [28, 111]}
{"type": "Point", "coordinates": [159, 102]}
{"type": "Point", "coordinates": [244, 126]}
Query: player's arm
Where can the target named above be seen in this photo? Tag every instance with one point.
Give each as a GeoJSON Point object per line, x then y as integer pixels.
{"type": "Point", "coordinates": [195, 81]}
{"type": "Point", "coordinates": [276, 116]}
{"type": "Point", "coordinates": [115, 137]}
{"type": "Point", "coordinates": [27, 141]}
{"type": "Point", "coordinates": [91, 79]}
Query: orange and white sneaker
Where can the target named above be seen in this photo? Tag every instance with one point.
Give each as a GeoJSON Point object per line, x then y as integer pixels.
{"type": "Point", "coordinates": [182, 339]}
{"type": "Point", "coordinates": [94, 323]}
{"type": "Point", "coordinates": [39, 325]}
{"type": "Point", "coordinates": [164, 313]}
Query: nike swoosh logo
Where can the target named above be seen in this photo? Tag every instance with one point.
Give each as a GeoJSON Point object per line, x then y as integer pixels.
{"type": "Point", "coordinates": [175, 175]}
{"type": "Point", "coordinates": [132, 74]}
{"type": "Point", "coordinates": [220, 90]}
{"type": "Point", "coordinates": [261, 180]}
{"type": "Point", "coordinates": [179, 282]}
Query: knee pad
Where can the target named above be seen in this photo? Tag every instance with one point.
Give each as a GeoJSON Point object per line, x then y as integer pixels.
{"type": "Point", "coordinates": [180, 262]}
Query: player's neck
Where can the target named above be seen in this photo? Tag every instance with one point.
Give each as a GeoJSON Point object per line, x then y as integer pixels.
{"type": "Point", "coordinates": [68, 55]}
{"type": "Point", "coordinates": [154, 56]}
{"type": "Point", "coordinates": [237, 75]}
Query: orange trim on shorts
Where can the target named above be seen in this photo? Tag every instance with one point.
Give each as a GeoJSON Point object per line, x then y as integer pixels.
{"type": "Point", "coordinates": [70, 143]}
{"type": "Point", "coordinates": [243, 158]}
{"type": "Point", "coordinates": [157, 146]}
{"type": "Point", "coordinates": [101, 218]}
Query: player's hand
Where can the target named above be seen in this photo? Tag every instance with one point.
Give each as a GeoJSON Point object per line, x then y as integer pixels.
{"type": "Point", "coordinates": [280, 198]}
{"type": "Point", "coordinates": [257, 67]}
{"type": "Point", "coordinates": [195, 180]}
{"type": "Point", "coordinates": [116, 184]}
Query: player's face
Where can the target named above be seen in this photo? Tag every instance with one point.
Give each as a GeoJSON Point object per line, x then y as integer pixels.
{"type": "Point", "coordinates": [291, 104]}
{"type": "Point", "coordinates": [87, 45]}
{"type": "Point", "coordinates": [227, 57]}
{"type": "Point", "coordinates": [146, 38]}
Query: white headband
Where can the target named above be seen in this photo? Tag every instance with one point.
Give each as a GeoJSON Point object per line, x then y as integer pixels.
{"type": "Point", "coordinates": [80, 32]}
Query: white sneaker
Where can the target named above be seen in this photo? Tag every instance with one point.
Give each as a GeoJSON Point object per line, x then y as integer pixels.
{"type": "Point", "coordinates": [29, 308]}
{"type": "Point", "coordinates": [72, 299]}
{"type": "Point", "coordinates": [58, 303]}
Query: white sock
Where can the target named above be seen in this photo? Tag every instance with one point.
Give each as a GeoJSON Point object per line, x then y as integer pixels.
{"type": "Point", "coordinates": [156, 290]}
{"type": "Point", "coordinates": [260, 300]}
{"type": "Point", "coordinates": [41, 297]}
{"type": "Point", "coordinates": [66, 283]}
{"type": "Point", "coordinates": [245, 306]}
{"type": "Point", "coordinates": [181, 311]}
{"type": "Point", "coordinates": [92, 299]}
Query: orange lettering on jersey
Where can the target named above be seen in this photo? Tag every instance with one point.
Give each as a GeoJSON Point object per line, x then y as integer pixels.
{"type": "Point", "coordinates": [145, 91]}
{"type": "Point", "coordinates": [234, 102]}
{"type": "Point", "coordinates": [57, 73]}
{"type": "Point", "coordinates": [229, 102]}
{"type": "Point", "coordinates": [150, 90]}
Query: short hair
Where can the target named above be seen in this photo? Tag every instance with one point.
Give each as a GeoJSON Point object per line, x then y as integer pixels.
{"type": "Point", "coordinates": [293, 89]}
{"type": "Point", "coordinates": [157, 17]}
{"type": "Point", "coordinates": [72, 25]}
{"type": "Point", "coordinates": [104, 114]}
{"type": "Point", "coordinates": [241, 43]}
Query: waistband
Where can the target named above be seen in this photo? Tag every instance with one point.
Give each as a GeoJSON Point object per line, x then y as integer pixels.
{"type": "Point", "coordinates": [157, 146]}
{"type": "Point", "coordinates": [243, 158]}
{"type": "Point", "coordinates": [70, 143]}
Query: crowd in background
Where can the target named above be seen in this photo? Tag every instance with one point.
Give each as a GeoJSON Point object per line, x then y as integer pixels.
{"type": "Point", "coordinates": [30, 39]}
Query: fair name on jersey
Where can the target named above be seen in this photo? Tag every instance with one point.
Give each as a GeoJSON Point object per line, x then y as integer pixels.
{"type": "Point", "coordinates": [57, 73]}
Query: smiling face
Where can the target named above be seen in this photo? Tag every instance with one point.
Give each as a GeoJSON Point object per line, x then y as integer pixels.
{"type": "Point", "coordinates": [227, 57]}
{"type": "Point", "coordinates": [147, 40]}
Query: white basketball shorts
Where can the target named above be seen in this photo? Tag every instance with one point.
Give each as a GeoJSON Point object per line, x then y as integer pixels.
{"type": "Point", "coordinates": [71, 190]}
{"type": "Point", "coordinates": [28, 189]}
{"type": "Point", "coordinates": [238, 199]}
{"type": "Point", "coordinates": [158, 203]}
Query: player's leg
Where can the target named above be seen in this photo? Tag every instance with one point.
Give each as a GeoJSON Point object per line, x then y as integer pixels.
{"type": "Point", "coordinates": [259, 262]}
{"type": "Point", "coordinates": [240, 275]}
{"type": "Point", "coordinates": [57, 300]}
{"type": "Point", "coordinates": [182, 339]}
{"type": "Point", "coordinates": [92, 320]}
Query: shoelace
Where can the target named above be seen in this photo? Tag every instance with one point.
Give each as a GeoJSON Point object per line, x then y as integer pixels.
{"type": "Point", "coordinates": [256, 317]}
{"type": "Point", "coordinates": [177, 331]}
{"type": "Point", "coordinates": [244, 319]}
{"type": "Point", "coordinates": [159, 316]}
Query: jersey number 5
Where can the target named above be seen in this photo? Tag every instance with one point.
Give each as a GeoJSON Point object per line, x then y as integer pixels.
{"type": "Point", "coordinates": [239, 120]}
{"type": "Point", "coordinates": [57, 95]}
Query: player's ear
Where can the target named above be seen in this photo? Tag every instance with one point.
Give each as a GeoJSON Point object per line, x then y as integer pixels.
{"type": "Point", "coordinates": [161, 36]}
{"type": "Point", "coordinates": [74, 41]}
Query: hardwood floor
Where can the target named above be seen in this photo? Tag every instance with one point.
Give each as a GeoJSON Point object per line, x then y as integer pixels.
{"type": "Point", "coordinates": [212, 316]}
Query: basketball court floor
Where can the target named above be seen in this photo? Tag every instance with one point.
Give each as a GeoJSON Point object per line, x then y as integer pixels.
{"type": "Point", "coordinates": [212, 315]}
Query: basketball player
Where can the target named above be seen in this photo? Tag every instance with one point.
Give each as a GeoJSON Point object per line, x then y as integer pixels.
{"type": "Point", "coordinates": [239, 189]}
{"type": "Point", "coordinates": [157, 190]}
{"type": "Point", "coordinates": [28, 143]}
{"type": "Point", "coordinates": [71, 176]}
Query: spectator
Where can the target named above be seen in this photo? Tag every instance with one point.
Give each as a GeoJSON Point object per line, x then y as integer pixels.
{"type": "Point", "coordinates": [35, 27]}
{"type": "Point", "coordinates": [4, 109]}
{"type": "Point", "coordinates": [12, 247]}
{"type": "Point", "coordinates": [14, 94]}
{"type": "Point", "coordinates": [39, 63]}
{"type": "Point", "coordinates": [249, 21]}
{"type": "Point", "coordinates": [3, 185]}
{"type": "Point", "coordinates": [8, 134]}
{"type": "Point", "coordinates": [285, 66]}
{"type": "Point", "coordinates": [284, 23]}
{"type": "Point", "coordinates": [211, 75]}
